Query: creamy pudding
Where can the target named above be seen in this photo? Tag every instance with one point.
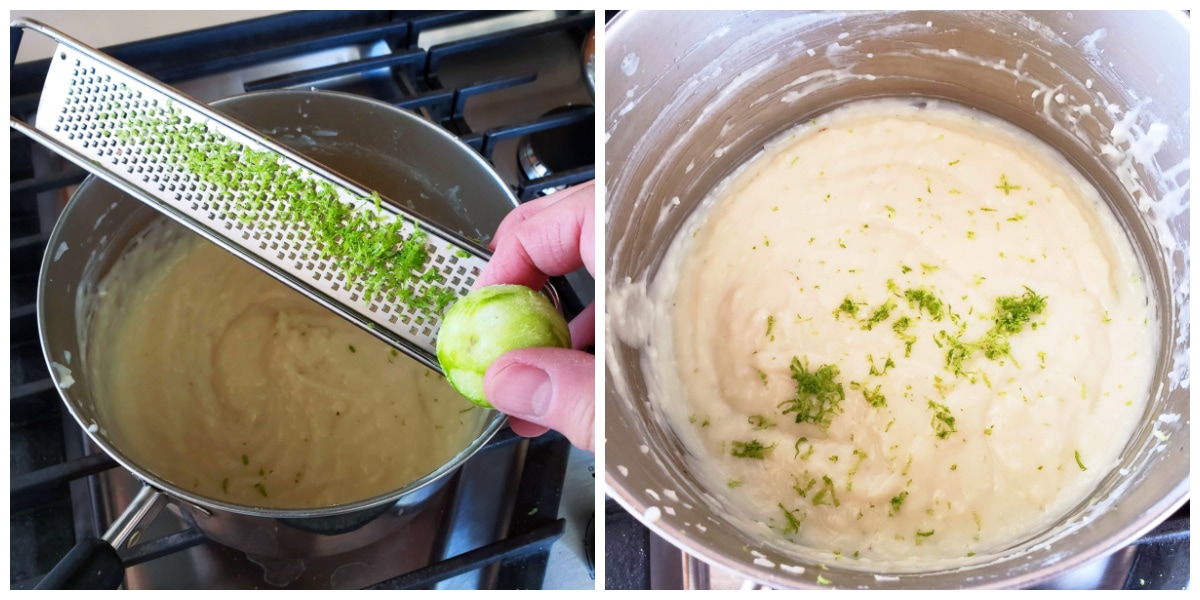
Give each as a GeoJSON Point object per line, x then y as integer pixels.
{"type": "Point", "coordinates": [227, 383]}
{"type": "Point", "coordinates": [905, 331]}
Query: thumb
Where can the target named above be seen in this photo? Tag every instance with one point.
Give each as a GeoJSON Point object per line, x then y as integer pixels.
{"type": "Point", "coordinates": [552, 387]}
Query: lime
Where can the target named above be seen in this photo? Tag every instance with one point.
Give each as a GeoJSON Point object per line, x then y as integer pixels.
{"type": "Point", "coordinates": [489, 322]}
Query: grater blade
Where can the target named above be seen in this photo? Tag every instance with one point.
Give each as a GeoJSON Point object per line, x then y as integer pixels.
{"type": "Point", "coordinates": [370, 261]}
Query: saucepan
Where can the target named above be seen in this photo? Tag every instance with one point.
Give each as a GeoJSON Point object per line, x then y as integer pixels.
{"type": "Point", "coordinates": [394, 151]}
{"type": "Point", "coordinates": [690, 97]}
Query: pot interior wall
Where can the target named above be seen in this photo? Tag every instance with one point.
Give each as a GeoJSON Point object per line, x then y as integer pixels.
{"type": "Point", "coordinates": [690, 99]}
{"type": "Point", "coordinates": [371, 143]}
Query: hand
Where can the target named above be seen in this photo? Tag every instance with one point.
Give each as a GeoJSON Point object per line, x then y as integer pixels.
{"type": "Point", "coordinates": [547, 388]}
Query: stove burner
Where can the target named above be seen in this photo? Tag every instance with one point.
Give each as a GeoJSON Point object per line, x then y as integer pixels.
{"type": "Point", "coordinates": [567, 147]}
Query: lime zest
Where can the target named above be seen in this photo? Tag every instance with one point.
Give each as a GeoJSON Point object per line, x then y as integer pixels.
{"type": "Point", "coordinates": [1005, 186]}
{"type": "Point", "coordinates": [793, 524]}
{"type": "Point", "coordinates": [879, 315]}
{"type": "Point", "coordinates": [848, 306]}
{"type": "Point", "coordinates": [818, 395]}
{"type": "Point", "coordinates": [943, 421]}
{"type": "Point", "coordinates": [924, 300]}
{"type": "Point", "coordinates": [803, 492]}
{"type": "Point", "coordinates": [751, 449]}
{"type": "Point", "coordinates": [759, 422]}
{"type": "Point", "coordinates": [827, 488]}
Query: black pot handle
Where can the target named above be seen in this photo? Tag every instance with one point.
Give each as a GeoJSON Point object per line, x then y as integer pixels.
{"type": "Point", "coordinates": [95, 564]}
{"type": "Point", "coordinates": [91, 565]}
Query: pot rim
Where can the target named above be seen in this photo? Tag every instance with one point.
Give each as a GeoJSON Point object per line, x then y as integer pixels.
{"type": "Point", "coordinates": [177, 493]}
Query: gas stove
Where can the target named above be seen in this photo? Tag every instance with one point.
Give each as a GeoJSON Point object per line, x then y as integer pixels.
{"type": "Point", "coordinates": [519, 513]}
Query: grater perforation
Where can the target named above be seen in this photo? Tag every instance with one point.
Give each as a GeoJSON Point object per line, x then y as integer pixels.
{"type": "Point", "coordinates": [253, 197]}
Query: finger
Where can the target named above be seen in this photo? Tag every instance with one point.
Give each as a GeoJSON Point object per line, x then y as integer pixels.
{"type": "Point", "coordinates": [525, 428]}
{"type": "Point", "coordinates": [555, 241]}
{"type": "Point", "coordinates": [551, 387]}
{"type": "Point", "coordinates": [533, 207]}
{"type": "Point", "coordinates": [583, 328]}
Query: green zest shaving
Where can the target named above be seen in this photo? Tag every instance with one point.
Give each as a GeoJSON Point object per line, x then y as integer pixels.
{"type": "Point", "coordinates": [880, 315]}
{"type": "Point", "coordinates": [943, 421]}
{"type": "Point", "coordinates": [803, 491]}
{"type": "Point", "coordinates": [847, 306]}
{"type": "Point", "coordinates": [861, 456]}
{"type": "Point", "coordinates": [900, 327]}
{"type": "Point", "coordinates": [1012, 314]}
{"type": "Point", "coordinates": [898, 501]}
{"type": "Point", "coordinates": [818, 395]}
{"type": "Point", "coordinates": [752, 449]}
{"type": "Point", "coordinates": [888, 364]}
{"type": "Point", "coordinates": [811, 448]}
{"type": "Point", "coordinates": [827, 489]}
{"type": "Point", "coordinates": [923, 300]}
{"type": "Point", "coordinates": [793, 524]}
{"type": "Point", "coordinates": [1079, 461]}
{"type": "Point", "coordinates": [760, 422]}
{"type": "Point", "coordinates": [1005, 186]}
{"type": "Point", "coordinates": [874, 397]}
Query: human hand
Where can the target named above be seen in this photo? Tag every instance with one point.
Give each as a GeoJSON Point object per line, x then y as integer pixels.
{"type": "Point", "coordinates": [547, 388]}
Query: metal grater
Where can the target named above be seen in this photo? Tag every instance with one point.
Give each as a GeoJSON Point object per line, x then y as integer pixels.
{"type": "Point", "coordinates": [89, 99]}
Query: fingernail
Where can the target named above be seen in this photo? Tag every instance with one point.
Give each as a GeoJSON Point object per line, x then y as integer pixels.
{"type": "Point", "coordinates": [521, 390]}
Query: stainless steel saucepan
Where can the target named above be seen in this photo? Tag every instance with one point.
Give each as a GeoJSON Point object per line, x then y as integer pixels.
{"type": "Point", "coordinates": [691, 96]}
{"type": "Point", "coordinates": [384, 148]}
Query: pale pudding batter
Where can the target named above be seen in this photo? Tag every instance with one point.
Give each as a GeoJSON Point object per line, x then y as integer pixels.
{"type": "Point", "coordinates": [224, 381]}
{"type": "Point", "coordinates": [904, 333]}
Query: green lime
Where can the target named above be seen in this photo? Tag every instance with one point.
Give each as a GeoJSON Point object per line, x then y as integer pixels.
{"type": "Point", "coordinates": [489, 322]}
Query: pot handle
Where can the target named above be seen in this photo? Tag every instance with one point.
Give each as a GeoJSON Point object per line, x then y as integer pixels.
{"type": "Point", "coordinates": [92, 564]}
{"type": "Point", "coordinates": [95, 564]}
